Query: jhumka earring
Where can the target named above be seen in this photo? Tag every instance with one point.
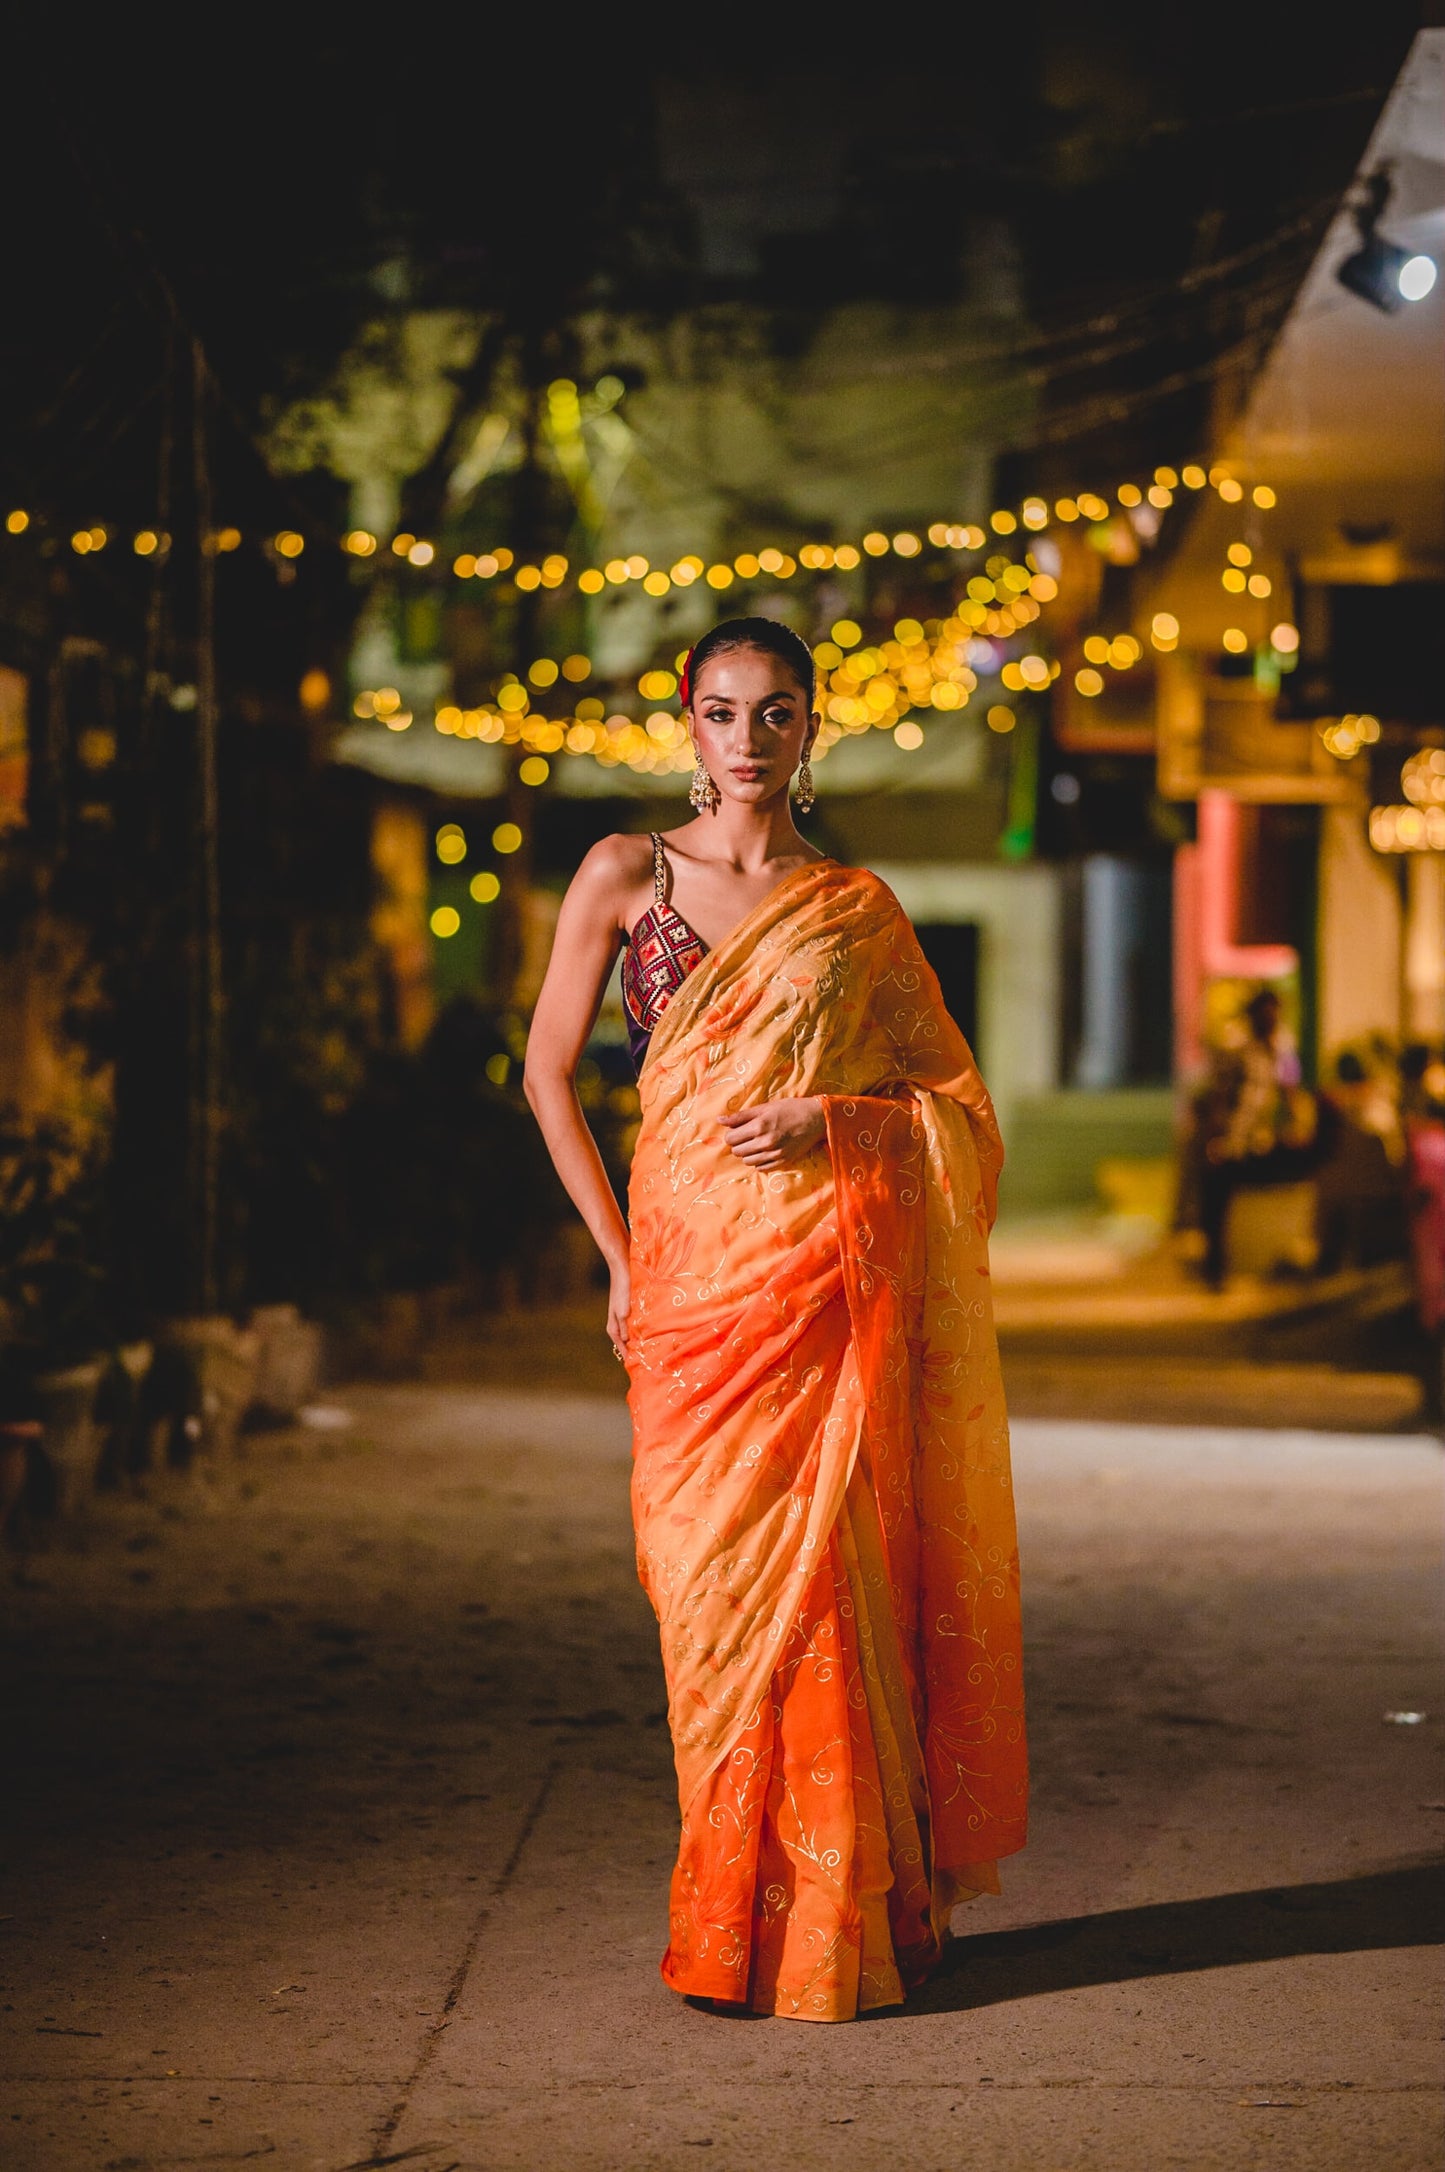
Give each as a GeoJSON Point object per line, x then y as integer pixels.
{"type": "Point", "coordinates": [806, 794]}
{"type": "Point", "coordinates": [703, 793]}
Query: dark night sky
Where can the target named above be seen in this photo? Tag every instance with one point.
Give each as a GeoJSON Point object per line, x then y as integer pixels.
{"type": "Point", "coordinates": [264, 179]}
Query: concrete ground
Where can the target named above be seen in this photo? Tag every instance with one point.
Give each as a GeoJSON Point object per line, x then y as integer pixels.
{"type": "Point", "coordinates": [339, 1820]}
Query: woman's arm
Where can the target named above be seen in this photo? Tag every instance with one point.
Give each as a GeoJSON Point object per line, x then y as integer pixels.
{"type": "Point", "coordinates": [590, 930]}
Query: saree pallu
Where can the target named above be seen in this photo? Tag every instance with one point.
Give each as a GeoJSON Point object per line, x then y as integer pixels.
{"type": "Point", "coordinates": [821, 1488]}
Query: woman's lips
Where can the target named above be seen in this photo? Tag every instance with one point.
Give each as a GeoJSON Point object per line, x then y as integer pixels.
{"type": "Point", "coordinates": [749, 772]}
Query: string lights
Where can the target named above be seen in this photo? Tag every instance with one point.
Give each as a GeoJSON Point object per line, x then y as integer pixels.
{"type": "Point", "coordinates": [927, 666]}
{"type": "Point", "coordinates": [771, 562]}
{"type": "Point", "coordinates": [1419, 826]}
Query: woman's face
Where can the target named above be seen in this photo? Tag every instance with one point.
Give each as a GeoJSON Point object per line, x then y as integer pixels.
{"type": "Point", "coordinates": [751, 724]}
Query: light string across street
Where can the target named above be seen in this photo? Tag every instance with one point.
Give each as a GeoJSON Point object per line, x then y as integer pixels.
{"type": "Point", "coordinates": [928, 666]}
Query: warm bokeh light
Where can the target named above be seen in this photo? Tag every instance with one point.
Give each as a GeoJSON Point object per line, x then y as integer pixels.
{"type": "Point", "coordinates": [908, 736]}
{"type": "Point", "coordinates": [17, 522]}
{"type": "Point", "coordinates": [288, 543]}
{"type": "Point", "coordinates": [1407, 829]}
{"type": "Point", "coordinates": [315, 691]}
{"type": "Point", "coordinates": [1239, 554]}
{"type": "Point", "coordinates": [1236, 640]}
{"type": "Point", "coordinates": [1001, 718]}
{"type": "Point", "coordinates": [445, 921]}
{"type": "Point", "coordinates": [847, 633]}
{"type": "Point", "coordinates": [485, 887]}
{"type": "Point", "coordinates": [1284, 638]}
{"type": "Point", "coordinates": [506, 837]}
{"type": "Point", "coordinates": [451, 844]}
{"type": "Point", "coordinates": [1422, 779]}
{"type": "Point", "coordinates": [543, 672]}
{"type": "Point", "coordinates": [361, 543]}
{"type": "Point", "coordinates": [535, 770]}
{"type": "Point", "coordinates": [1088, 682]}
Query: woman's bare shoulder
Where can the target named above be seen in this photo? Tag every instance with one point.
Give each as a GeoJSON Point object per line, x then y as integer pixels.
{"type": "Point", "coordinates": [613, 871]}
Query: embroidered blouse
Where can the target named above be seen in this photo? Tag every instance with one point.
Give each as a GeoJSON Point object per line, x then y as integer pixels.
{"type": "Point", "coordinates": [661, 951]}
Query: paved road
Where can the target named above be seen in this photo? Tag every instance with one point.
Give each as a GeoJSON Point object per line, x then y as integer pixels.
{"type": "Point", "coordinates": [340, 1822]}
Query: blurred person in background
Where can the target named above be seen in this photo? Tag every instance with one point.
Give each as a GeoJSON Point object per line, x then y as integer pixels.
{"type": "Point", "coordinates": [1424, 1126]}
{"type": "Point", "coordinates": [1257, 1124]}
{"type": "Point", "coordinates": [1359, 1211]}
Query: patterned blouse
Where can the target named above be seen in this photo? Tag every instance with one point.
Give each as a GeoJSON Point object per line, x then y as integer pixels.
{"type": "Point", "coordinates": [661, 951]}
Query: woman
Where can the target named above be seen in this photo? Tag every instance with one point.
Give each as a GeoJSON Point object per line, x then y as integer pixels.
{"type": "Point", "coordinates": [821, 1480]}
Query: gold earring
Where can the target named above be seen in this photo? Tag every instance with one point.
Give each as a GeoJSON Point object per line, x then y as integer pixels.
{"type": "Point", "coordinates": [703, 793]}
{"type": "Point", "coordinates": [806, 794]}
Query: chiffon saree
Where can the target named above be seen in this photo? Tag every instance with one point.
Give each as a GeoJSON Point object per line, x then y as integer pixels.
{"type": "Point", "coordinates": [821, 1487]}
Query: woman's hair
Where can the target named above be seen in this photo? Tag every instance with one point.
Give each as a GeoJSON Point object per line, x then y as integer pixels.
{"type": "Point", "coordinates": [753, 633]}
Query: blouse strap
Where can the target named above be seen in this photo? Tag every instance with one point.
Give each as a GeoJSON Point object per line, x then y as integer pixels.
{"type": "Point", "coordinates": [659, 869]}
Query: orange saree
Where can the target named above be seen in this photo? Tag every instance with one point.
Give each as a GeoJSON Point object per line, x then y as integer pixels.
{"type": "Point", "coordinates": [821, 1485]}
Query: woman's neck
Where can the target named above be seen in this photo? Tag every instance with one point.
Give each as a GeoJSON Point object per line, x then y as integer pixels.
{"type": "Point", "coordinates": [749, 838]}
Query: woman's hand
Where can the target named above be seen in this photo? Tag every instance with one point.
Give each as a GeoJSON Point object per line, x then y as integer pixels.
{"type": "Point", "coordinates": [776, 1132]}
{"type": "Point", "coordinates": [619, 1305]}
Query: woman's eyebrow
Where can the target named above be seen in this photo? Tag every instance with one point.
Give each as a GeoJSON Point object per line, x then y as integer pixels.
{"type": "Point", "coordinates": [780, 693]}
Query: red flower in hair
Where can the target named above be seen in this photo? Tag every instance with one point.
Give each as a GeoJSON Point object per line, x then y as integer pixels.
{"type": "Point", "coordinates": [684, 684]}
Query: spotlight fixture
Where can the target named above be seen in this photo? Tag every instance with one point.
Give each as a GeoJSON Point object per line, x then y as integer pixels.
{"type": "Point", "coordinates": [1380, 272]}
